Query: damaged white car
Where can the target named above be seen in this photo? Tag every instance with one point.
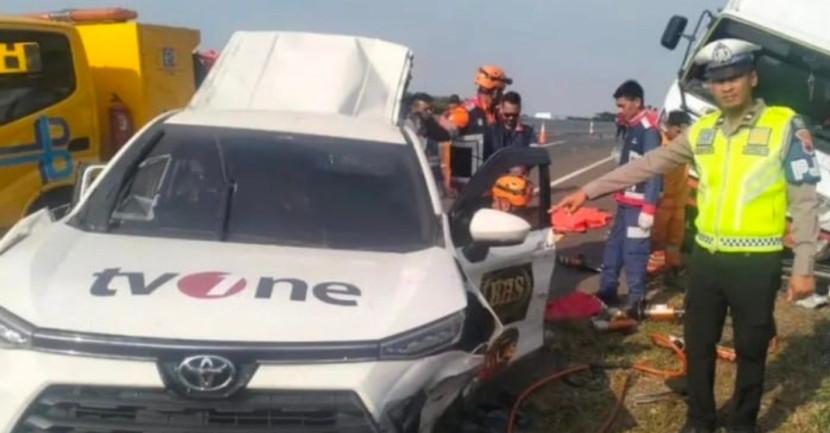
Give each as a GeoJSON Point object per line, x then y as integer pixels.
{"type": "Point", "coordinates": [272, 258]}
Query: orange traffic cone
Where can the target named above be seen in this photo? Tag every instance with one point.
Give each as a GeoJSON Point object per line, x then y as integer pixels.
{"type": "Point", "coordinates": [543, 134]}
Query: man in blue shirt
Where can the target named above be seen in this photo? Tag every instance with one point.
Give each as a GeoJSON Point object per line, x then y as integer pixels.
{"type": "Point", "coordinates": [629, 245]}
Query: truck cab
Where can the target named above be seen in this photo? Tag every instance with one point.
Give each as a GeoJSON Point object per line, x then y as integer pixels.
{"type": "Point", "coordinates": [73, 88]}
{"type": "Point", "coordinates": [793, 67]}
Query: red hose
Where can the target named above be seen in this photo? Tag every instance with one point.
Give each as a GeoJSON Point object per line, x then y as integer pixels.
{"type": "Point", "coordinates": [657, 339]}
{"type": "Point", "coordinates": [511, 420]}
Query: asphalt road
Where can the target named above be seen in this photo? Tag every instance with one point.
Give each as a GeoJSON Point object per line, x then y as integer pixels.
{"type": "Point", "coordinates": [576, 159]}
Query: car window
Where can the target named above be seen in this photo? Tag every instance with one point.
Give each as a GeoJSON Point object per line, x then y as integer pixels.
{"type": "Point", "coordinates": [36, 71]}
{"type": "Point", "coordinates": [494, 186]}
{"type": "Point", "coordinates": [250, 186]}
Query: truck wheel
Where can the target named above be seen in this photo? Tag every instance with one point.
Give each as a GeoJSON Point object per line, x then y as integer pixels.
{"type": "Point", "coordinates": [53, 199]}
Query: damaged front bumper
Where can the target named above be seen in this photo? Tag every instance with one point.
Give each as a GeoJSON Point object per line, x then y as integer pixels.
{"type": "Point", "coordinates": [54, 392]}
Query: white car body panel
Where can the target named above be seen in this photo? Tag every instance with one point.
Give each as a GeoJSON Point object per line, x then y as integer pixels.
{"type": "Point", "coordinates": [217, 289]}
{"type": "Point", "coordinates": [325, 124]}
{"type": "Point", "coordinates": [47, 267]}
{"type": "Point", "coordinates": [308, 72]}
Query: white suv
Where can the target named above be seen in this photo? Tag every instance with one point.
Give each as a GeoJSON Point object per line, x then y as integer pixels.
{"type": "Point", "coordinates": [267, 271]}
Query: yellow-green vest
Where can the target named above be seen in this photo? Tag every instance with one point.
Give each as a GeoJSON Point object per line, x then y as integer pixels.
{"type": "Point", "coordinates": [742, 194]}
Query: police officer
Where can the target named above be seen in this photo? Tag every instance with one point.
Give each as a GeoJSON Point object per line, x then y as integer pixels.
{"type": "Point", "coordinates": [756, 162]}
{"type": "Point", "coordinates": [628, 245]}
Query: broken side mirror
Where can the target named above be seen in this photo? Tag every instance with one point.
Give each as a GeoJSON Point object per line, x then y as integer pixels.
{"type": "Point", "coordinates": [674, 32]}
{"type": "Point", "coordinates": [86, 175]}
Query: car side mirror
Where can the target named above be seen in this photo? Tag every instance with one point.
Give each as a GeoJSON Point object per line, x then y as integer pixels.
{"type": "Point", "coordinates": [674, 32]}
{"type": "Point", "coordinates": [496, 228]}
{"type": "Point", "coordinates": [87, 175]}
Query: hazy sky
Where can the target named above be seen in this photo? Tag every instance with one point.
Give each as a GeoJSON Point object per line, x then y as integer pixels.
{"type": "Point", "coordinates": [564, 56]}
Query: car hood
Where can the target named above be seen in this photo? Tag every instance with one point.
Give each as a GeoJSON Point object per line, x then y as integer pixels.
{"type": "Point", "coordinates": [66, 279]}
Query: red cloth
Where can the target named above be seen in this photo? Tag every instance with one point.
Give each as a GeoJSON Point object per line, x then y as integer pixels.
{"type": "Point", "coordinates": [575, 305]}
{"type": "Point", "coordinates": [579, 221]}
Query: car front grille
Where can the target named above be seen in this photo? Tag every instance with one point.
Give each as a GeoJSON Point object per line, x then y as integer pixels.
{"type": "Point", "coordinates": [74, 409]}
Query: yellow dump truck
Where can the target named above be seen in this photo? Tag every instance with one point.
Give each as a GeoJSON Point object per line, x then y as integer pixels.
{"type": "Point", "coordinates": [74, 86]}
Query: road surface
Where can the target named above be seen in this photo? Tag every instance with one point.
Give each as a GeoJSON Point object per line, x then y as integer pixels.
{"type": "Point", "coordinates": [577, 158]}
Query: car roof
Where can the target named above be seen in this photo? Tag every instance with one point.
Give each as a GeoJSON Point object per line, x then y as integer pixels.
{"type": "Point", "coordinates": [320, 124]}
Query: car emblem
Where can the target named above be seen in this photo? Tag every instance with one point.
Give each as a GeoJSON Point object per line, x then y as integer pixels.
{"type": "Point", "coordinates": [206, 373]}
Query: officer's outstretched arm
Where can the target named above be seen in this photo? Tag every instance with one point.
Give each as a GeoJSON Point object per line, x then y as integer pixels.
{"type": "Point", "coordinates": [653, 163]}
{"type": "Point", "coordinates": [651, 142]}
{"type": "Point", "coordinates": [802, 174]}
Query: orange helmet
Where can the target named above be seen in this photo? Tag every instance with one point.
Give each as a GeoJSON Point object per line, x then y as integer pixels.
{"type": "Point", "coordinates": [511, 191]}
{"type": "Point", "coordinates": [492, 77]}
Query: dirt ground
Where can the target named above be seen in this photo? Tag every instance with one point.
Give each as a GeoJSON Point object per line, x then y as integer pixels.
{"type": "Point", "coordinates": [797, 397]}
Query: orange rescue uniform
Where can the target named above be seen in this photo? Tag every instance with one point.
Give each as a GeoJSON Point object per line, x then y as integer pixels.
{"type": "Point", "coordinates": [670, 218]}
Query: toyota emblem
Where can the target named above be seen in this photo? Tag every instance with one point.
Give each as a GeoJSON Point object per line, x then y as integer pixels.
{"type": "Point", "coordinates": [206, 373]}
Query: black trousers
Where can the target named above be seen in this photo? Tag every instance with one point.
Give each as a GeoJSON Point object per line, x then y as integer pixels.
{"type": "Point", "coordinates": [745, 284]}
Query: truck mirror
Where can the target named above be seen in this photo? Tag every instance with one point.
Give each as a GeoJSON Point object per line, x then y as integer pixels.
{"type": "Point", "coordinates": [86, 175]}
{"type": "Point", "coordinates": [674, 31]}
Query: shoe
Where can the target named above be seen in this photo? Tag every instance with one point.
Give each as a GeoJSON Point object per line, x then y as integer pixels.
{"type": "Point", "coordinates": [813, 302]}
{"type": "Point", "coordinates": [610, 300]}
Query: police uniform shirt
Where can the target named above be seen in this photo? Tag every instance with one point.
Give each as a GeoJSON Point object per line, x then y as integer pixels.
{"type": "Point", "coordinates": [800, 167]}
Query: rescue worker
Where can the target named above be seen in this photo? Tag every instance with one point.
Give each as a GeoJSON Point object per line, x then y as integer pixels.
{"type": "Point", "coordinates": [620, 122]}
{"type": "Point", "coordinates": [431, 129]}
{"type": "Point", "coordinates": [670, 217]}
{"type": "Point", "coordinates": [628, 245]}
{"type": "Point", "coordinates": [756, 162]}
{"type": "Point", "coordinates": [509, 131]}
{"type": "Point", "coordinates": [480, 111]}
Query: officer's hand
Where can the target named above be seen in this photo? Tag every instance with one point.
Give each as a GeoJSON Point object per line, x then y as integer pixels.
{"type": "Point", "coordinates": [645, 220]}
{"type": "Point", "coordinates": [800, 286]}
{"type": "Point", "coordinates": [572, 202]}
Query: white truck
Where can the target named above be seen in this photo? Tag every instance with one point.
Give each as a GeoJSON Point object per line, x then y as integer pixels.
{"type": "Point", "coordinates": [793, 68]}
{"type": "Point", "coordinates": [274, 257]}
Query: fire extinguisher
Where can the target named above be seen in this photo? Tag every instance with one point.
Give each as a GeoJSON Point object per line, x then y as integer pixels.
{"type": "Point", "coordinates": [121, 124]}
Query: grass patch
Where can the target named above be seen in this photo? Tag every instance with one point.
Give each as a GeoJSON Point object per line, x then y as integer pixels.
{"type": "Point", "coordinates": [797, 397]}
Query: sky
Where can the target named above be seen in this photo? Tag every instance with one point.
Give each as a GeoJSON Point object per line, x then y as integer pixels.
{"type": "Point", "coordinates": [565, 57]}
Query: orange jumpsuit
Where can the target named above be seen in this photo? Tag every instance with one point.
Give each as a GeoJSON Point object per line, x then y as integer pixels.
{"type": "Point", "coordinates": [669, 219]}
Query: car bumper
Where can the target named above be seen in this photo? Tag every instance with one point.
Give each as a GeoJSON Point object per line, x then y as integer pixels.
{"type": "Point", "coordinates": [42, 391]}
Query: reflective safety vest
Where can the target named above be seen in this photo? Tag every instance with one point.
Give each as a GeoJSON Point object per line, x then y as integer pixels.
{"type": "Point", "coordinates": [742, 194]}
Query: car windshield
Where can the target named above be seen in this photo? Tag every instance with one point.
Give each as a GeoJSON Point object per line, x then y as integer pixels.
{"type": "Point", "coordinates": [274, 188]}
{"type": "Point", "coordinates": [789, 74]}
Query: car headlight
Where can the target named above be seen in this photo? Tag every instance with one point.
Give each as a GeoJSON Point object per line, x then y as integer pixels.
{"type": "Point", "coordinates": [14, 332]}
{"type": "Point", "coordinates": [424, 340]}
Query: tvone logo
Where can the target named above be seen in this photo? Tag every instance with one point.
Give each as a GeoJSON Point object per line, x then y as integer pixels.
{"type": "Point", "coordinates": [219, 285]}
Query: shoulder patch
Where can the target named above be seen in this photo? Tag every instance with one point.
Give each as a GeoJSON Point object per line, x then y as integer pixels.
{"type": "Point", "coordinates": [806, 140]}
